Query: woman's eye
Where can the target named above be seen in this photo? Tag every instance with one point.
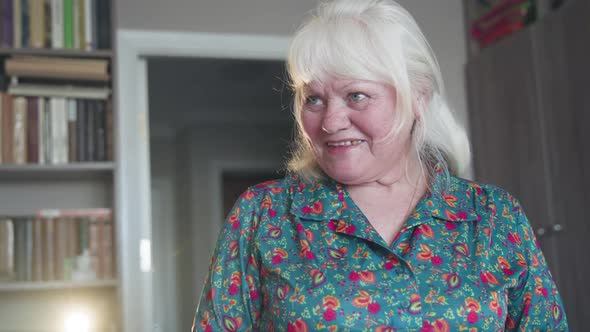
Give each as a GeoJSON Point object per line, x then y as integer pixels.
{"type": "Point", "coordinates": [313, 101]}
{"type": "Point", "coordinates": [357, 96]}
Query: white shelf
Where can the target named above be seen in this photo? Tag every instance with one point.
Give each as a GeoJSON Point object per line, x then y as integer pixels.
{"type": "Point", "coordinates": [55, 285]}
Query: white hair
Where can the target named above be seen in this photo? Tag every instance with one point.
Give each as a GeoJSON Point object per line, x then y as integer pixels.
{"type": "Point", "coordinates": [380, 41]}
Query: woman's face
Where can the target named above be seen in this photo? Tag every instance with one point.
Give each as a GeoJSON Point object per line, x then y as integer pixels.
{"type": "Point", "coordinates": [351, 125]}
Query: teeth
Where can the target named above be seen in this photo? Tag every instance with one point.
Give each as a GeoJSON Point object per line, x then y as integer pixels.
{"type": "Point", "coordinates": [346, 143]}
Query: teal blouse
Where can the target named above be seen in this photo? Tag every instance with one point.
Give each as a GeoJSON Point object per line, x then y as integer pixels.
{"type": "Point", "coordinates": [301, 256]}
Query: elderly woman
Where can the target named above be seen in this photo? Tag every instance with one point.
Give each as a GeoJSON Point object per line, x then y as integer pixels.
{"type": "Point", "coordinates": [373, 230]}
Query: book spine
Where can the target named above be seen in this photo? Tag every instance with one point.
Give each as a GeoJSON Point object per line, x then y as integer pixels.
{"type": "Point", "coordinates": [29, 245]}
{"type": "Point", "coordinates": [41, 130]}
{"type": "Point", "coordinates": [33, 130]}
{"type": "Point", "coordinates": [94, 238]}
{"type": "Point", "coordinates": [20, 130]}
{"type": "Point", "coordinates": [109, 251]}
{"type": "Point", "coordinates": [7, 271]}
{"type": "Point", "coordinates": [57, 23]}
{"type": "Point", "coordinates": [81, 129]}
{"type": "Point", "coordinates": [82, 23]}
{"type": "Point", "coordinates": [72, 136]}
{"type": "Point", "coordinates": [60, 241]}
{"type": "Point", "coordinates": [17, 24]}
{"type": "Point", "coordinates": [49, 249]}
{"type": "Point", "coordinates": [88, 25]}
{"type": "Point", "coordinates": [68, 23]}
{"type": "Point", "coordinates": [37, 255]}
{"type": "Point", "coordinates": [19, 249]}
{"type": "Point", "coordinates": [37, 23]}
{"type": "Point", "coordinates": [25, 24]}
{"type": "Point", "coordinates": [90, 130]}
{"type": "Point", "coordinates": [100, 125]}
{"type": "Point", "coordinates": [7, 129]}
{"type": "Point", "coordinates": [103, 24]}
{"type": "Point", "coordinates": [7, 23]}
{"type": "Point", "coordinates": [48, 131]}
{"type": "Point", "coordinates": [63, 130]}
{"type": "Point", "coordinates": [110, 154]}
{"type": "Point", "coordinates": [76, 23]}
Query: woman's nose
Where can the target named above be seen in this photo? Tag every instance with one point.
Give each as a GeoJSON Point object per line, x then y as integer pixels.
{"type": "Point", "coordinates": [335, 120]}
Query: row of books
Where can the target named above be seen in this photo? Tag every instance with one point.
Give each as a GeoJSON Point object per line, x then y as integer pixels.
{"type": "Point", "coordinates": [501, 18]}
{"type": "Point", "coordinates": [70, 24]}
{"type": "Point", "coordinates": [57, 68]}
{"type": "Point", "coordinates": [68, 245]}
{"type": "Point", "coordinates": [54, 130]}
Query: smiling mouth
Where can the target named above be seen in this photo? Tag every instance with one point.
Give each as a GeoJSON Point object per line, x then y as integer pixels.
{"type": "Point", "coordinates": [345, 143]}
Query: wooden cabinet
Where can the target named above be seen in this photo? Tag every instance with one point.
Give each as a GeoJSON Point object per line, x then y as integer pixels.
{"type": "Point", "coordinates": [529, 111]}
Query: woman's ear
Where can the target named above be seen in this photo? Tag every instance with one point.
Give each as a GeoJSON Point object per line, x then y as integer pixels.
{"type": "Point", "coordinates": [421, 100]}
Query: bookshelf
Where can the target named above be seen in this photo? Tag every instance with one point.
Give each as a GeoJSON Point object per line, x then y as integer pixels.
{"type": "Point", "coordinates": [69, 168]}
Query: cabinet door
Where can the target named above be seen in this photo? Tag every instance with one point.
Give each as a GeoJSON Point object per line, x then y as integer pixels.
{"type": "Point", "coordinates": [562, 50]}
{"type": "Point", "coordinates": [505, 128]}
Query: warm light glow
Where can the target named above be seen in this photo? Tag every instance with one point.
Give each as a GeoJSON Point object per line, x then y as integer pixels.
{"type": "Point", "coordinates": [77, 321]}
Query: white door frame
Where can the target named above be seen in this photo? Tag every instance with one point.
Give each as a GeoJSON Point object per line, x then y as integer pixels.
{"type": "Point", "coordinates": [132, 175]}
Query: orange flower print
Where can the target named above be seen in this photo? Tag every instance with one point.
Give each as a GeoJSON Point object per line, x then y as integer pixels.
{"type": "Point", "coordinates": [451, 200]}
{"type": "Point", "coordinates": [425, 253]}
{"type": "Point", "coordinates": [362, 300]}
{"type": "Point", "coordinates": [439, 325]}
{"type": "Point", "coordinates": [299, 325]}
{"type": "Point", "coordinates": [232, 324]}
{"type": "Point", "coordinates": [233, 219]}
{"type": "Point", "coordinates": [426, 231]}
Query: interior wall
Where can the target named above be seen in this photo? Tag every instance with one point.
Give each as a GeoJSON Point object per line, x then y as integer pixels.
{"type": "Point", "coordinates": [441, 21]}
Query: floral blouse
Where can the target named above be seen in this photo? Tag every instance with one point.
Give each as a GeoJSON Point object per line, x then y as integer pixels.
{"type": "Point", "coordinates": [301, 256]}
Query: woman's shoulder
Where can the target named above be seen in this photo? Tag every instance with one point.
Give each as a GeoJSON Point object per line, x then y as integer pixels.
{"type": "Point", "coordinates": [488, 196]}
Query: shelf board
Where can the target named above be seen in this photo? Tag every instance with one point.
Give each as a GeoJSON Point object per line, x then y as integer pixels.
{"type": "Point", "coordinates": [14, 286]}
{"type": "Point", "coordinates": [56, 172]}
{"type": "Point", "coordinates": [106, 54]}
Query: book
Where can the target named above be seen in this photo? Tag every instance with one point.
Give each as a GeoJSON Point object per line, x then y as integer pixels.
{"type": "Point", "coordinates": [81, 129]}
{"type": "Point", "coordinates": [57, 23]}
{"type": "Point", "coordinates": [7, 129]}
{"type": "Point", "coordinates": [68, 23]}
{"type": "Point", "coordinates": [37, 252]}
{"type": "Point", "coordinates": [72, 135]}
{"type": "Point", "coordinates": [7, 271]}
{"type": "Point", "coordinates": [60, 243]}
{"type": "Point", "coordinates": [57, 68]}
{"type": "Point", "coordinates": [91, 130]}
{"type": "Point", "coordinates": [47, 132]}
{"type": "Point", "coordinates": [100, 131]}
{"type": "Point", "coordinates": [7, 23]}
{"type": "Point", "coordinates": [48, 244]}
{"type": "Point", "coordinates": [88, 25]}
{"type": "Point", "coordinates": [109, 130]}
{"type": "Point", "coordinates": [37, 23]}
{"type": "Point", "coordinates": [76, 23]}
{"type": "Point", "coordinates": [66, 91]}
{"type": "Point", "coordinates": [29, 249]}
{"type": "Point", "coordinates": [33, 130]}
{"type": "Point", "coordinates": [41, 133]}
{"type": "Point", "coordinates": [20, 130]}
{"type": "Point", "coordinates": [25, 23]}
{"type": "Point", "coordinates": [17, 23]}
{"type": "Point", "coordinates": [103, 24]}
{"type": "Point", "coordinates": [109, 268]}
